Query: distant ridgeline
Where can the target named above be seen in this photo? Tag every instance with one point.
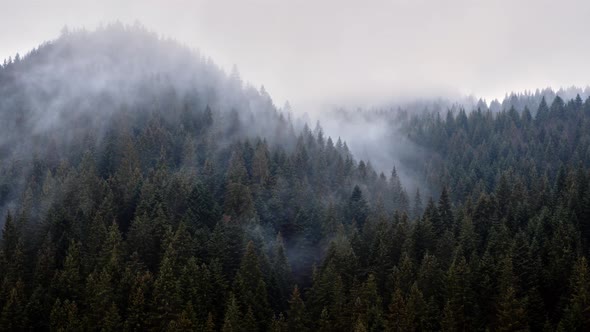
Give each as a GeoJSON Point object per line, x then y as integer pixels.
{"type": "Point", "coordinates": [144, 189]}
{"type": "Point", "coordinates": [530, 100]}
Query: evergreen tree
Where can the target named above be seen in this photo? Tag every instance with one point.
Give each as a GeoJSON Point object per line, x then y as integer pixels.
{"type": "Point", "coordinates": [577, 315]}
{"type": "Point", "coordinates": [281, 275]}
{"type": "Point", "coordinates": [417, 209]}
{"type": "Point", "coordinates": [445, 213]}
{"type": "Point", "coordinates": [542, 112]}
{"type": "Point", "coordinates": [65, 316]}
{"type": "Point", "coordinates": [250, 287]}
{"type": "Point", "coordinates": [232, 318]}
{"type": "Point", "coordinates": [358, 208]}
{"type": "Point", "coordinates": [400, 318]}
{"type": "Point", "coordinates": [297, 315]}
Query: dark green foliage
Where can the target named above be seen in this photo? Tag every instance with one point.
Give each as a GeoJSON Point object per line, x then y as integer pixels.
{"type": "Point", "coordinates": [297, 319]}
{"type": "Point", "coordinates": [161, 216]}
{"type": "Point", "coordinates": [250, 288]}
{"type": "Point", "coordinates": [357, 205]}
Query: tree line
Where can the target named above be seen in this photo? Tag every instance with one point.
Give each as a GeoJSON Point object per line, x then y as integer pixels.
{"type": "Point", "coordinates": [178, 216]}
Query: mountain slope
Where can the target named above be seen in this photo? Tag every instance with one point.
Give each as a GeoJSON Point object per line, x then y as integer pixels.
{"type": "Point", "coordinates": [145, 190]}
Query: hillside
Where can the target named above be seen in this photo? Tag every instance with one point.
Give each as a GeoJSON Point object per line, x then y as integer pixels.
{"type": "Point", "coordinates": [144, 189]}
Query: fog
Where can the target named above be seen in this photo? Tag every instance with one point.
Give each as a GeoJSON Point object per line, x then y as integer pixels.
{"type": "Point", "coordinates": [71, 94]}
{"type": "Point", "coordinates": [63, 83]}
{"type": "Point", "coordinates": [323, 55]}
{"type": "Point", "coordinates": [340, 63]}
{"type": "Point", "coordinates": [317, 52]}
{"type": "Point", "coordinates": [329, 56]}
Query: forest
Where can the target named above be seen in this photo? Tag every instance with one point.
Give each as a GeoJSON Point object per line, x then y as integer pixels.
{"type": "Point", "coordinates": [144, 189]}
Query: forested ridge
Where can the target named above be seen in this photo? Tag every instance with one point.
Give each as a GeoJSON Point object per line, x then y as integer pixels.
{"type": "Point", "coordinates": [143, 189]}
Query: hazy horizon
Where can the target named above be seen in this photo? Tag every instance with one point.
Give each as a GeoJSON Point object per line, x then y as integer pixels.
{"type": "Point", "coordinates": [313, 54]}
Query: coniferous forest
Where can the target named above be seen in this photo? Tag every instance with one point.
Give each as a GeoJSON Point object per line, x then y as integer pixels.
{"type": "Point", "coordinates": [144, 189]}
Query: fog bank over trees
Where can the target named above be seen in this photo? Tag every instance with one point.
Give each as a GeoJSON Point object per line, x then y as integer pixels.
{"type": "Point", "coordinates": [142, 188]}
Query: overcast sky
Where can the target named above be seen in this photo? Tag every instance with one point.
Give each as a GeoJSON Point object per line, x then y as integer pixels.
{"type": "Point", "coordinates": [311, 51]}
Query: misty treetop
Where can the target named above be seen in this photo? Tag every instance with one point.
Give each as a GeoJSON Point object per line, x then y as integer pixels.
{"type": "Point", "coordinates": [145, 189]}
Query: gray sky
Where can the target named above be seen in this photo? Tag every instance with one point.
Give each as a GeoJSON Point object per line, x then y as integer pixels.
{"type": "Point", "coordinates": [338, 51]}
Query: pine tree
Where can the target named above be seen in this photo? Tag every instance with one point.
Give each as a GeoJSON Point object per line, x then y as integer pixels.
{"type": "Point", "coordinates": [417, 306]}
{"type": "Point", "coordinates": [238, 198]}
{"type": "Point", "coordinates": [65, 316]}
{"type": "Point", "coordinates": [358, 208]}
{"type": "Point", "coordinates": [423, 238]}
{"type": "Point", "coordinates": [260, 165]}
{"type": "Point", "coordinates": [12, 315]}
{"type": "Point", "coordinates": [511, 313]}
{"type": "Point", "coordinates": [360, 326]}
{"type": "Point", "coordinates": [399, 317]}
{"type": "Point", "coordinates": [210, 324]}
{"type": "Point", "coordinates": [186, 321]}
{"type": "Point", "coordinates": [166, 296]}
{"type": "Point", "coordinates": [404, 274]}
{"type": "Point", "coordinates": [238, 202]}
{"type": "Point", "coordinates": [201, 208]}
{"type": "Point", "coordinates": [68, 281]}
{"type": "Point", "coordinates": [112, 320]}
{"type": "Point", "coordinates": [577, 314]}
{"type": "Point", "coordinates": [449, 322]}
{"type": "Point", "coordinates": [249, 322]}
{"type": "Point", "coordinates": [325, 324]}
{"type": "Point", "coordinates": [99, 296]}
{"type": "Point", "coordinates": [137, 312]}
{"type": "Point", "coordinates": [278, 324]}
{"type": "Point", "coordinates": [459, 306]}
{"type": "Point", "coordinates": [372, 305]}
{"type": "Point", "coordinates": [111, 256]}
{"type": "Point", "coordinates": [10, 235]}
{"type": "Point", "coordinates": [557, 109]}
{"type": "Point", "coordinates": [297, 315]}
{"type": "Point", "coordinates": [197, 287]}
{"type": "Point", "coordinates": [417, 209]}
{"type": "Point", "coordinates": [467, 237]}
{"type": "Point", "coordinates": [445, 212]}
{"type": "Point", "coordinates": [233, 317]}
{"type": "Point", "coordinates": [280, 276]}
{"type": "Point", "coordinates": [250, 287]}
{"type": "Point", "coordinates": [542, 112]}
